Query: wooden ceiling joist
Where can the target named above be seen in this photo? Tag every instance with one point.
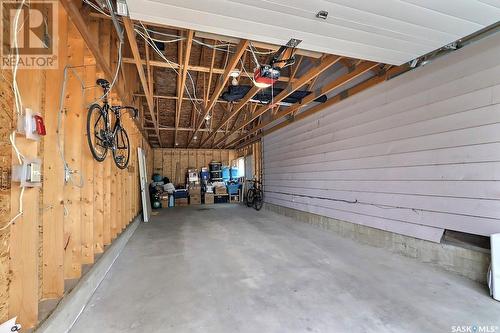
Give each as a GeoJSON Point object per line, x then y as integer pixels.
{"type": "Point", "coordinates": [182, 78]}
{"type": "Point", "coordinates": [240, 49]}
{"type": "Point", "coordinates": [325, 63]}
{"type": "Point", "coordinates": [181, 129]}
{"type": "Point", "coordinates": [195, 68]}
{"type": "Point", "coordinates": [236, 110]}
{"type": "Point", "coordinates": [172, 97]}
{"type": "Point", "coordinates": [337, 83]}
{"type": "Point", "coordinates": [151, 85]}
{"type": "Point", "coordinates": [140, 69]}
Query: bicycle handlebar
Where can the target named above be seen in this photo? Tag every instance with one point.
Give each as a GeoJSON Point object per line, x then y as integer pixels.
{"type": "Point", "coordinates": [131, 108]}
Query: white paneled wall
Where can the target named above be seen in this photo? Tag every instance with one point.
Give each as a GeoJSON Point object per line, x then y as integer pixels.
{"type": "Point", "coordinates": [415, 155]}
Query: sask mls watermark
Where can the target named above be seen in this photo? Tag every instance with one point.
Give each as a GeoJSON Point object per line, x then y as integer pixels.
{"type": "Point", "coordinates": [474, 329]}
{"type": "Point", "coordinates": [29, 34]}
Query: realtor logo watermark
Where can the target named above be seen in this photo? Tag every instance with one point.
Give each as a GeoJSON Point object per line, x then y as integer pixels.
{"type": "Point", "coordinates": [29, 34]}
{"type": "Point", "coordinates": [474, 329]}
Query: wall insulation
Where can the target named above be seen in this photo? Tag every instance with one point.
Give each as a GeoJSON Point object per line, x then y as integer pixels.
{"type": "Point", "coordinates": [414, 155]}
{"type": "Point", "coordinates": [64, 223]}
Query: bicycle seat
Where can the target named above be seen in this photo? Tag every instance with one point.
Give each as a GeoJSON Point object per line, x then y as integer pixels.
{"type": "Point", "coordinates": [103, 83]}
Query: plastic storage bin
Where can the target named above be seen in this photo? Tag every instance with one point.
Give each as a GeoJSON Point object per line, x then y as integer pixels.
{"type": "Point", "coordinates": [226, 174]}
{"type": "Point", "coordinates": [234, 173]}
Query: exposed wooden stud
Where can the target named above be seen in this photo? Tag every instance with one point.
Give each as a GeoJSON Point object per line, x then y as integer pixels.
{"type": "Point", "coordinates": [73, 152]}
{"type": "Point", "coordinates": [150, 79]}
{"type": "Point", "coordinates": [138, 61]}
{"type": "Point", "coordinates": [87, 160]}
{"type": "Point", "coordinates": [24, 261]}
{"type": "Point", "coordinates": [181, 83]}
{"type": "Point", "coordinates": [53, 169]}
{"type": "Point", "coordinates": [210, 75]}
{"type": "Point", "coordinates": [98, 195]}
{"type": "Point", "coordinates": [193, 119]}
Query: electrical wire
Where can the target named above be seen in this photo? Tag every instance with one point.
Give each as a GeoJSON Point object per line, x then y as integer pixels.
{"type": "Point", "coordinates": [115, 78]}
{"type": "Point", "coordinates": [17, 95]}
{"type": "Point", "coordinates": [171, 64]}
{"type": "Point", "coordinates": [19, 106]}
{"type": "Point", "coordinates": [20, 212]}
{"type": "Point", "coordinates": [257, 64]}
{"type": "Point", "coordinates": [68, 172]}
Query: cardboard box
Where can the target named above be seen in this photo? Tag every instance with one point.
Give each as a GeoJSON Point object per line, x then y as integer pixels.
{"type": "Point", "coordinates": [196, 200]}
{"type": "Point", "coordinates": [220, 190]}
{"type": "Point", "coordinates": [209, 198]}
{"type": "Point", "coordinates": [195, 190]}
{"type": "Point", "coordinates": [181, 202]}
{"type": "Point", "coordinates": [164, 203]}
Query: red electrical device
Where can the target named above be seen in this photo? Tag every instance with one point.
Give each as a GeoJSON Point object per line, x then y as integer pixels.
{"type": "Point", "coordinates": [39, 125]}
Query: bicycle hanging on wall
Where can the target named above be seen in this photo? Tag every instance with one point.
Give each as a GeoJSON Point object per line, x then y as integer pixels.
{"type": "Point", "coordinates": [102, 136]}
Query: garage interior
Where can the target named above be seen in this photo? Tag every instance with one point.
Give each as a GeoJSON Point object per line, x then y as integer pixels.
{"type": "Point", "coordinates": [279, 166]}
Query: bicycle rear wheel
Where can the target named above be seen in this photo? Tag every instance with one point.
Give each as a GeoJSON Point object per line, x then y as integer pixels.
{"type": "Point", "coordinates": [96, 132]}
{"type": "Point", "coordinates": [121, 151]}
{"type": "Point", "coordinates": [258, 200]}
{"type": "Point", "coordinates": [250, 197]}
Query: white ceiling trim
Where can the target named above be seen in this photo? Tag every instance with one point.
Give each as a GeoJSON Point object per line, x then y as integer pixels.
{"type": "Point", "coordinates": [387, 31]}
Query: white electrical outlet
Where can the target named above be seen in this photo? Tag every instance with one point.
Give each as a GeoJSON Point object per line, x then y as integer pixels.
{"type": "Point", "coordinates": [29, 174]}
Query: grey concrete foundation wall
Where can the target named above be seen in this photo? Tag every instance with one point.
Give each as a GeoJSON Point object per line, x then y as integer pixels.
{"type": "Point", "coordinates": [466, 262]}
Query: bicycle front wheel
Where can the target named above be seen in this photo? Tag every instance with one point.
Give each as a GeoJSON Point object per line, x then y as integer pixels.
{"type": "Point", "coordinates": [250, 197]}
{"type": "Point", "coordinates": [96, 132]}
{"type": "Point", "coordinates": [121, 151]}
{"type": "Point", "coordinates": [258, 200]}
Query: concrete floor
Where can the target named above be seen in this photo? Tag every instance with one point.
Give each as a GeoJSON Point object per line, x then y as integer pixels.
{"type": "Point", "coordinates": [228, 268]}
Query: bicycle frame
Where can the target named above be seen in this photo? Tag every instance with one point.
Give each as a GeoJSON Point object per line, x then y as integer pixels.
{"type": "Point", "coordinates": [106, 108]}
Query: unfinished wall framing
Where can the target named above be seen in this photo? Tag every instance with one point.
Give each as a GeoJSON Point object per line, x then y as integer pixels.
{"type": "Point", "coordinates": [64, 223]}
{"type": "Point", "coordinates": [173, 163]}
{"type": "Point", "coordinates": [254, 151]}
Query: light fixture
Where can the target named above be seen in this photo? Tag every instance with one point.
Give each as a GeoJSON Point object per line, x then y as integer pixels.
{"type": "Point", "coordinates": [195, 137]}
{"type": "Point", "coordinates": [176, 143]}
{"type": "Point", "coordinates": [208, 116]}
{"type": "Point", "coordinates": [234, 73]}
